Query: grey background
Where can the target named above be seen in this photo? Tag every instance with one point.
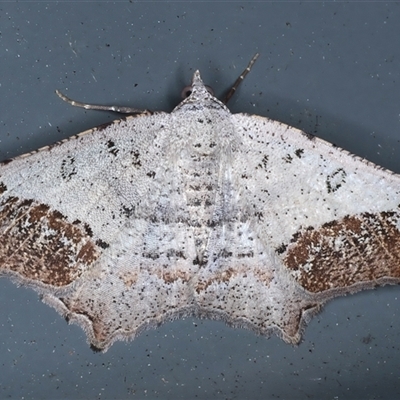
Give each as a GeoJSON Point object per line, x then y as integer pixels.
{"type": "Point", "coordinates": [331, 69]}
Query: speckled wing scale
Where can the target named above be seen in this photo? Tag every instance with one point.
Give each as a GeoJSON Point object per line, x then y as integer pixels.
{"type": "Point", "coordinates": [197, 212]}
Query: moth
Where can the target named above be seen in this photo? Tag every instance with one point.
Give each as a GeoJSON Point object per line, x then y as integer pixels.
{"type": "Point", "coordinates": [197, 212]}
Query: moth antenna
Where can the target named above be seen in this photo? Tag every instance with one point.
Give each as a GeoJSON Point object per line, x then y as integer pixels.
{"type": "Point", "coordinates": [117, 109]}
{"type": "Point", "coordinates": [240, 79]}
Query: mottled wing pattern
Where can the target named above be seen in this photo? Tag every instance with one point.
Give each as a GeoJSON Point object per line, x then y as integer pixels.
{"type": "Point", "coordinates": [95, 224]}
{"type": "Point", "coordinates": [324, 221]}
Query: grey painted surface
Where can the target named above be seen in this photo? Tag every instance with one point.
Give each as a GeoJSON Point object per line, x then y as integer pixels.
{"type": "Point", "coordinates": [331, 69]}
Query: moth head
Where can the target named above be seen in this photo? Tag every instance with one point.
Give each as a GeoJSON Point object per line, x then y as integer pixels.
{"type": "Point", "coordinates": [197, 84]}
{"type": "Point", "coordinates": [198, 96]}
